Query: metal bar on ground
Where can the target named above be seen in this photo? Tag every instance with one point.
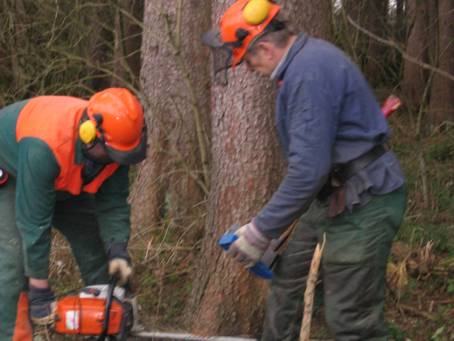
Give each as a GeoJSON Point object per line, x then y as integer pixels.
{"type": "Point", "coordinates": [189, 337]}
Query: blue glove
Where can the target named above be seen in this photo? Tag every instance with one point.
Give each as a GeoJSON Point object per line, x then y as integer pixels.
{"type": "Point", "coordinates": [41, 305]}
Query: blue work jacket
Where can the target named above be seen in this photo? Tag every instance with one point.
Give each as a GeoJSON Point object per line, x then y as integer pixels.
{"type": "Point", "coordinates": [326, 115]}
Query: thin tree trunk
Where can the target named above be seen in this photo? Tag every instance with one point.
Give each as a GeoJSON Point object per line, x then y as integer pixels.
{"type": "Point", "coordinates": [128, 40]}
{"type": "Point", "coordinates": [415, 78]}
{"type": "Point", "coordinates": [442, 96]}
{"type": "Point", "coordinates": [377, 19]}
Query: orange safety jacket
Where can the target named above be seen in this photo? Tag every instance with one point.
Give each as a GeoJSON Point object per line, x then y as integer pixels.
{"type": "Point", "coordinates": [55, 120]}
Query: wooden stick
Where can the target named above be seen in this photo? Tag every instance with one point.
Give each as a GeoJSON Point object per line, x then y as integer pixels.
{"type": "Point", "coordinates": [305, 332]}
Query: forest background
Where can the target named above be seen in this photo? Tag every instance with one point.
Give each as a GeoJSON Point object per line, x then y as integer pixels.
{"type": "Point", "coordinates": [214, 158]}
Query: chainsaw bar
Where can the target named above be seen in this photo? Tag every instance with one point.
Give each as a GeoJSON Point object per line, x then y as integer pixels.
{"type": "Point", "coordinates": [184, 336]}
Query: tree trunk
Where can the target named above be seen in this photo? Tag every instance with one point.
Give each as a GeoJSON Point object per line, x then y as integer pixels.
{"type": "Point", "coordinates": [415, 78]}
{"type": "Point", "coordinates": [313, 17]}
{"type": "Point", "coordinates": [128, 40]}
{"type": "Point", "coordinates": [355, 41]}
{"type": "Point", "coordinates": [175, 79]}
{"type": "Point", "coordinates": [97, 46]}
{"type": "Point", "coordinates": [399, 22]}
{"type": "Point", "coordinates": [246, 168]}
{"type": "Point", "coordinates": [367, 52]}
{"type": "Point", "coordinates": [376, 57]}
{"type": "Point", "coordinates": [442, 96]}
{"type": "Point", "coordinates": [226, 299]}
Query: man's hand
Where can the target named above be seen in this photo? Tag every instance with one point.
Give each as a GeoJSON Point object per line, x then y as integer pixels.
{"type": "Point", "coordinates": [120, 263]}
{"type": "Point", "coordinates": [42, 305]}
{"type": "Point", "coordinates": [121, 268]}
{"type": "Point", "coordinates": [250, 245]}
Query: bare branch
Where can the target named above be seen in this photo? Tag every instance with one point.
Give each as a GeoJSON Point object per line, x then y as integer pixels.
{"type": "Point", "coordinates": [395, 45]}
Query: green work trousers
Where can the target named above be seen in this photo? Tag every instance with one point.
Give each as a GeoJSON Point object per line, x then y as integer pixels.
{"type": "Point", "coordinates": [76, 220]}
{"type": "Point", "coordinates": [353, 270]}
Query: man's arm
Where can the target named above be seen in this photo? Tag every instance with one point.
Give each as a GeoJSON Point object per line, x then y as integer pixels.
{"type": "Point", "coordinates": [113, 214]}
{"type": "Point", "coordinates": [35, 201]}
{"type": "Point", "coordinates": [112, 208]}
{"type": "Point", "coordinates": [311, 125]}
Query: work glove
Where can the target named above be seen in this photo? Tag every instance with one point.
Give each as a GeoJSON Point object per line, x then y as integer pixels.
{"type": "Point", "coordinates": [41, 305]}
{"type": "Point", "coordinates": [120, 263]}
{"type": "Point", "coordinates": [250, 245]}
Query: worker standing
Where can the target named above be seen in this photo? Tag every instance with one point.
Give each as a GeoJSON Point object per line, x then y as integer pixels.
{"type": "Point", "coordinates": [340, 175]}
{"type": "Point", "coordinates": [65, 163]}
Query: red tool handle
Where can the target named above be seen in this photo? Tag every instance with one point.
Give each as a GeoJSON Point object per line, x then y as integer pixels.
{"type": "Point", "coordinates": [391, 104]}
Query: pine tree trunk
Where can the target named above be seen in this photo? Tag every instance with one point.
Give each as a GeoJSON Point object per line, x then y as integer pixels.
{"type": "Point", "coordinates": [227, 300]}
{"type": "Point", "coordinates": [442, 96]}
{"type": "Point", "coordinates": [175, 79]}
{"type": "Point", "coordinates": [246, 169]}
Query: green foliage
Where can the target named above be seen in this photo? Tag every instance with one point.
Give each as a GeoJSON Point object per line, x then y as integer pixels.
{"type": "Point", "coordinates": [443, 150]}
{"type": "Point", "coordinates": [450, 288]}
{"type": "Point", "coordinates": [396, 333]}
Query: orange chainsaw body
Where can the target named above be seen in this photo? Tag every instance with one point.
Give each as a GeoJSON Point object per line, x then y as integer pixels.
{"type": "Point", "coordinates": [85, 316]}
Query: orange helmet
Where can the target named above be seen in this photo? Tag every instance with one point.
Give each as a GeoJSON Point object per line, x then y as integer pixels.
{"type": "Point", "coordinates": [241, 24]}
{"type": "Point", "coordinates": [115, 117]}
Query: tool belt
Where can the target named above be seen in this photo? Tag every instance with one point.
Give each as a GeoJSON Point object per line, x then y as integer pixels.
{"type": "Point", "coordinates": [333, 188]}
{"type": "Point", "coordinates": [3, 177]}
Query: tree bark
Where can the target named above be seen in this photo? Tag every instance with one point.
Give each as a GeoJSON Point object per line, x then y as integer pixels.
{"type": "Point", "coordinates": [442, 96]}
{"type": "Point", "coordinates": [376, 57]}
{"type": "Point", "coordinates": [415, 78]}
{"type": "Point", "coordinates": [313, 17]}
{"type": "Point", "coordinates": [175, 79]}
{"type": "Point", "coordinates": [227, 300]}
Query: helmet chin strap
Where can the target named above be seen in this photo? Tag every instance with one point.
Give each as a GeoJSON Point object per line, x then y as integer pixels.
{"type": "Point", "coordinates": [90, 153]}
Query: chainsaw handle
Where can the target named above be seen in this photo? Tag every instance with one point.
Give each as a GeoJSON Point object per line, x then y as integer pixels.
{"type": "Point", "coordinates": [259, 268]}
{"type": "Point", "coordinates": [109, 300]}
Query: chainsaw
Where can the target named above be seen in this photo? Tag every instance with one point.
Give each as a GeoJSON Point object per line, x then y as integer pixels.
{"type": "Point", "coordinates": [101, 311]}
{"type": "Point", "coordinates": [104, 312]}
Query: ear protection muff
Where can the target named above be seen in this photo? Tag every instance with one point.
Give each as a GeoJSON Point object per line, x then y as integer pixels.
{"type": "Point", "coordinates": [256, 11]}
{"type": "Point", "coordinates": [88, 129]}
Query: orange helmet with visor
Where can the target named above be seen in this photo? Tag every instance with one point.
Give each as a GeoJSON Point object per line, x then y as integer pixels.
{"type": "Point", "coordinates": [241, 24]}
{"type": "Point", "coordinates": [114, 117]}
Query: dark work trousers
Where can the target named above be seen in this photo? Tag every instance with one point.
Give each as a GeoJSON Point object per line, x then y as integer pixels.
{"type": "Point", "coordinates": [76, 220]}
{"type": "Point", "coordinates": [353, 270]}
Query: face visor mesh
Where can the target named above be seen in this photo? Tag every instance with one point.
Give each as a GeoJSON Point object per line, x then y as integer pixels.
{"type": "Point", "coordinates": [222, 54]}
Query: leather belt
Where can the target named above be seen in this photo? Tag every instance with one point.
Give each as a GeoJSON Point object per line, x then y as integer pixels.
{"type": "Point", "coordinates": [346, 171]}
{"type": "Point", "coordinates": [341, 173]}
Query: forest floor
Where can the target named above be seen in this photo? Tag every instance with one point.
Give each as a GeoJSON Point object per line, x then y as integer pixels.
{"type": "Point", "coordinates": [420, 280]}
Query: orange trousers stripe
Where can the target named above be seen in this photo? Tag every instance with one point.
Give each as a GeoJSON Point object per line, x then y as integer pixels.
{"type": "Point", "coordinates": [23, 330]}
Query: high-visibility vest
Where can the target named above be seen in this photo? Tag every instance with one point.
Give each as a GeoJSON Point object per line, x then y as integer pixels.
{"type": "Point", "coordinates": [55, 120]}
